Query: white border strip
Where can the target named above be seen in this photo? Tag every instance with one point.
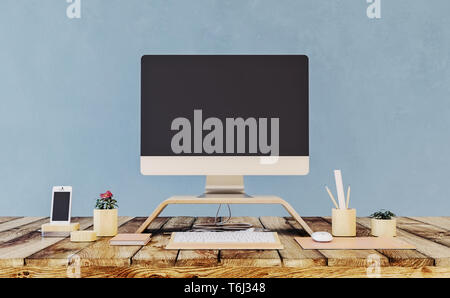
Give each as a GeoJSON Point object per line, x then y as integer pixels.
{"type": "Point", "coordinates": [224, 165]}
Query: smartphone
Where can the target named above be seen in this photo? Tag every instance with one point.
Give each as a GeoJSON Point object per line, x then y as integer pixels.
{"type": "Point", "coordinates": [61, 204]}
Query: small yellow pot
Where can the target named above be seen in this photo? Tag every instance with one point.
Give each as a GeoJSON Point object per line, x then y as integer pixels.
{"type": "Point", "coordinates": [343, 222]}
{"type": "Point", "coordinates": [384, 227]}
{"type": "Point", "coordinates": [105, 222]}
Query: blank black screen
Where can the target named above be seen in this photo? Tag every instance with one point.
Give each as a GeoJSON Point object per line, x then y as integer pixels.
{"type": "Point", "coordinates": [259, 86]}
{"type": "Point", "coordinates": [61, 202]}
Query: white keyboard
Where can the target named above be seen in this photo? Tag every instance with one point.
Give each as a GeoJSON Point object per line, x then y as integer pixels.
{"type": "Point", "coordinates": [224, 240]}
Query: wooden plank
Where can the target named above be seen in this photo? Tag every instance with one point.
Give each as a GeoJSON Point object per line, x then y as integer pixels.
{"type": "Point", "coordinates": [60, 253]}
{"type": "Point", "coordinates": [177, 224]}
{"type": "Point", "coordinates": [14, 251]}
{"type": "Point", "coordinates": [21, 230]}
{"type": "Point", "coordinates": [100, 253]}
{"type": "Point", "coordinates": [225, 272]}
{"type": "Point", "coordinates": [293, 255]}
{"type": "Point", "coordinates": [397, 257]}
{"type": "Point", "coordinates": [154, 253]}
{"type": "Point", "coordinates": [156, 227]}
{"type": "Point", "coordinates": [436, 251]}
{"type": "Point", "coordinates": [424, 230]}
{"type": "Point", "coordinates": [440, 222]}
{"type": "Point", "coordinates": [348, 258]}
{"type": "Point", "coordinates": [199, 257]}
{"type": "Point", "coordinates": [252, 258]}
{"type": "Point", "coordinates": [9, 225]}
{"type": "Point", "coordinates": [8, 218]}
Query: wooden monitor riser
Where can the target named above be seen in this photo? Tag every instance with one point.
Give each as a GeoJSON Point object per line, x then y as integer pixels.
{"type": "Point", "coordinates": [225, 199]}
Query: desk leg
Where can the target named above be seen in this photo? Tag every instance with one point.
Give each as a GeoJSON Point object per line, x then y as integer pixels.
{"type": "Point", "coordinates": [152, 216]}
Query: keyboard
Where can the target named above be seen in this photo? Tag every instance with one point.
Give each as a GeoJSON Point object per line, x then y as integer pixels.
{"type": "Point", "coordinates": [224, 240]}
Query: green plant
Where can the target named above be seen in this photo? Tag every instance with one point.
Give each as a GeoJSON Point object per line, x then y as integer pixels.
{"type": "Point", "coordinates": [106, 201]}
{"type": "Point", "coordinates": [382, 214]}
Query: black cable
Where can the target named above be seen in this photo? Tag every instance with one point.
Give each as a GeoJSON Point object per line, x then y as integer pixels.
{"type": "Point", "coordinates": [219, 226]}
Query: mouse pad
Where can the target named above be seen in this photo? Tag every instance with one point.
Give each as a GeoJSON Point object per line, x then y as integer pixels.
{"type": "Point", "coordinates": [355, 243]}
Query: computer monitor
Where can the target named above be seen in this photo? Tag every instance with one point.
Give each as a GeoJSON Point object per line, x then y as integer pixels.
{"type": "Point", "coordinates": [224, 115]}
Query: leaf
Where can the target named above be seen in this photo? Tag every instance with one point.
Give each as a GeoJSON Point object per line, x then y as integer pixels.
{"type": "Point", "coordinates": [382, 214]}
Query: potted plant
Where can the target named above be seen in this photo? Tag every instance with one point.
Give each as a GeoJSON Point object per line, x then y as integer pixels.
{"type": "Point", "coordinates": [106, 215]}
{"type": "Point", "coordinates": [383, 223]}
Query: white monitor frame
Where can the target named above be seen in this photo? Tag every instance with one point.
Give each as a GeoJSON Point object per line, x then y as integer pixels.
{"type": "Point", "coordinates": [224, 165]}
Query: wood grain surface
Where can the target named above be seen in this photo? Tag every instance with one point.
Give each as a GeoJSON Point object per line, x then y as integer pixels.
{"type": "Point", "coordinates": [350, 258]}
{"type": "Point", "coordinates": [19, 227]}
{"type": "Point", "coordinates": [60, 253]}
{"type": "Point", "coordinates": [441, 222]}
{"type": "Point", "coordinates": [249, 258]}
{"type": "Point", "coordinates": [24, 253]}
{"type": "Point", "coordinates": [154, 253]}
{"type": "Point", "coordinates": [224, 272]}
{"type": "Point", "coordinates": [428, 231]}
{"type": "Point", "coordinates": [8, 218]}
{"type": "Point", "coordinates": [397, 257]}
{"type": "Point", "coordinates": [293, 255]}
{"type": "Point", "coordinates": [440, 253]}
{"type": "Point", "coordinates": [14, 251]}
{"type": "Point", "coordinates": [100, 253]}
{"type": "Point", "coordinates": [204, 257]}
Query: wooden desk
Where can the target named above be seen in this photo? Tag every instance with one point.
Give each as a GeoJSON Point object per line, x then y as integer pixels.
{"type": "Point", "coordinates": [23, 253]}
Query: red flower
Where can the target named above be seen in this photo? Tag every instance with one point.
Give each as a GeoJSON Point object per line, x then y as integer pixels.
{"type": "Point", "coordinates": [106, 195]}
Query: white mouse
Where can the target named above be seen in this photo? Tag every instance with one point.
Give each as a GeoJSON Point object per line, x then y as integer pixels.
{"type": "Point", "coordinates": [321, 236]}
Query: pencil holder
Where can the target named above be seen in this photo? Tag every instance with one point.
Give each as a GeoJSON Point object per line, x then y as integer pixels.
{"type": "Point", "coordinates": [343, 222]}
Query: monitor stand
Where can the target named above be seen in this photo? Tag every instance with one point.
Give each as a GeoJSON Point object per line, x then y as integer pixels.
{"type": "Point", "coordinates": [229, 186]}
{"type": "Point", "coordinates": [224, 190]}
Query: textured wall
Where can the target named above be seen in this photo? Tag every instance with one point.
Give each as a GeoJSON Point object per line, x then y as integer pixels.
{"type": "Point", "coordinates": [379, 99]}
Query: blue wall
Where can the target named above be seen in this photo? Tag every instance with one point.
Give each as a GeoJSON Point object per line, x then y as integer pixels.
{"type": "Point", "coordinates": [380, 105]}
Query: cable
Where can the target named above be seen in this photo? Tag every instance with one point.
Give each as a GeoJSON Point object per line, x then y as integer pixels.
{"type": "Point", "coordinates": [217, 213]}
{"type": "Point", "coordinates": [219, 226]}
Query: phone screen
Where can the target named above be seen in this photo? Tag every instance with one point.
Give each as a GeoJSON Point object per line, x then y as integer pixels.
{"type": "Point", "coordinates": [61, 205]}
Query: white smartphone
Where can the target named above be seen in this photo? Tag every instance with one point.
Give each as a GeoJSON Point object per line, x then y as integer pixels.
{"type": "Point", "coordinates": [61, 204]}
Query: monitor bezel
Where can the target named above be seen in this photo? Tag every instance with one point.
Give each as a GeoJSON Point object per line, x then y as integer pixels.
{"type": "Point", "coordinates": [225, 165]}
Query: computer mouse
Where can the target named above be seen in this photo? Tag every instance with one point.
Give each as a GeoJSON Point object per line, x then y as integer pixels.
{"type": "Point", "coordinates": [321, 236]}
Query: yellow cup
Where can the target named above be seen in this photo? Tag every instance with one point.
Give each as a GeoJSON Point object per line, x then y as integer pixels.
{"type": "Point", "coordinates": [105, 222]}
{"type": "Point", "coordinates": [383, 227]}
{"type": "Point", "coordinates": [343, 222]}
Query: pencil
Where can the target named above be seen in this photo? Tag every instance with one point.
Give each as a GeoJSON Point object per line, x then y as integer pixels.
{"type": "Point", "coordinates": [348, 195]}
{"type": "Point", "coordinates": [331, 197]}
